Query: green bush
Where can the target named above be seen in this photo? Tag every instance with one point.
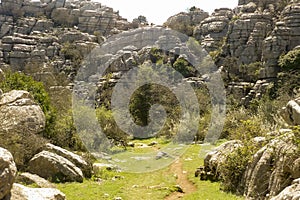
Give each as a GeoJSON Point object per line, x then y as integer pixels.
{"type": "Point", "coordinates": [183, 67]}
{"type": "Point", "coordinates": [109, 126]}
{"type": "Point", "coordinates": [291, 60]}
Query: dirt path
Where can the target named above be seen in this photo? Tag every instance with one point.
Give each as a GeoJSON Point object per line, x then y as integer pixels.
{"type": "Point", "coordinates": [182, 180]}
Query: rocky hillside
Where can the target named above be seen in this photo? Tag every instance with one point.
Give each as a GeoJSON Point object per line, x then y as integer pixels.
{"type": "Point", "coordinates": [247, 40]}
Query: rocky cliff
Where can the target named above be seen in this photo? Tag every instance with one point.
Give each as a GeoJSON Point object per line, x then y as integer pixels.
{"type": "Point", "coordinates": [49, 37]}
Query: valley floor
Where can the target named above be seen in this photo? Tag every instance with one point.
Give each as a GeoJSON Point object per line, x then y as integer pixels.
{"type": "Point", "coordinates": [157, 185]}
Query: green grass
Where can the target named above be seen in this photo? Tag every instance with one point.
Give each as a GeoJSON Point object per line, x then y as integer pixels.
{"type": "Point", "coordinates": [155, 185]}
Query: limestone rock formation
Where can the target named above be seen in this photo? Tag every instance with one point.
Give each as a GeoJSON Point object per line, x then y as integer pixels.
{"type": "Point", "coordinates": [213, 29]}
{"type": "Point", "coordinates": [284, 37]}
{"type": "Point", "coordinates": [52, 166]}
{"type": "Point", "coordinates": [291, 113]}
{"type": "Point", "coordinates": [20, 192]}
{"type": "Point", "coordinates": [26, 114]}
{"type": "Point", "coordinates": [246, 35]}
{"type": "Point", "coordinates": [8, 172]}
{"type": "Point", "coordinates": [74, 158]}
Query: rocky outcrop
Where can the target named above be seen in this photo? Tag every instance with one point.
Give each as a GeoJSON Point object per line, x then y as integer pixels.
{"type": "Point", "coordinates": [54, 167]}
{"type": "Point", "coordinates": [185, 22]}
{"type": "Point", "coordinates": [20, 192]}
{"type": "Point", "coordinates": [291, 113]}
{"type": "Point", "coordinates": [214, 159]}
{"type": "Point", "coordinates": [246, 35]}
{"type": "Point", "coordinates": [290, 193]}
{"type": "Point", "coordinates": [213, 29]}
{"type": "Point", "coordinates": [26, 114]}
{"type": "Point", "coordinates": [284, 37]}
{"type": "Point", "coordinates": [8, 172]}
{"type": "Point", "coordinates": [74, 158]}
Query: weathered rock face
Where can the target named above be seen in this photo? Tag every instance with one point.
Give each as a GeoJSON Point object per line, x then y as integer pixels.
{"type": "Point", "coordinates": [185, 22]}
{"type": "Point", "coordinates": [8, 172]}
{"type": "Point", "coordinates": [284, 37]}
{"type": "Point", "coordinates": [20, 192]}
{"type": "Point", "coordinates": [291, 113]}
{"type": "Point", "coordinates": [19, 113]}
{"type": "Point", "coordinates": [52, 166]}
{"type": "Point", "coordinates": [290, 193]}
{"type": "Point", "coordinates": [246, 35]}
{"type": "Point", "coordinates": [270, 171]}
{"type": "Point", "coordinates": [213, 29]}
{"type": "Point", "coordinates": [74, 158]}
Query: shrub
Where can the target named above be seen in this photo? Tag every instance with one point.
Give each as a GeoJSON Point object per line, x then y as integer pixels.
{"type": "Point", "coordinates": [291, 60]}
{"type": "Point", "coordinates": [183, 67]}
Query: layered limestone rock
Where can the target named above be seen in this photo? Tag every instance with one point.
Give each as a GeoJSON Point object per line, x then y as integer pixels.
{"type": "Point", "coordinates": [213, 29]}
{"type": "Point", "coordinates": [283, 38]}
{"type": "Point", "coordinates": [246, 35]}
{"type": "Point", "coordinates": [88, 16]}
{"type": "Point", "coordinates": [74, 158]}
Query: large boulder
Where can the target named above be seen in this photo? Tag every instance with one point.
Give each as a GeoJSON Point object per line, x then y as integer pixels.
{"type": "Point", "coordinates": [74, 158]}
{"type": "Point", "coordinates": [20, 192]}
{"type": "Point", "coordinates": [21, 121]}
{"type": "Point", "coordinates": [291, 113]}
{"type": "Point", "coordinates": [290, 193]}
{"type": "Point", "coordinates": [54, 167]}
{"type": "Point", "coordinates": [8, 172]}
{"type": "Point", "coordinates": [19, 113]}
